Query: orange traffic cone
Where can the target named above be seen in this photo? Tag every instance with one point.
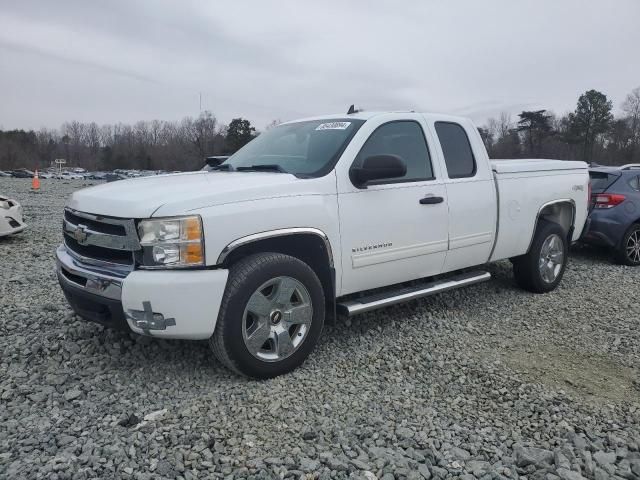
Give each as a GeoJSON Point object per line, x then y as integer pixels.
{"type": "Point", "coordinates": [35, 183]}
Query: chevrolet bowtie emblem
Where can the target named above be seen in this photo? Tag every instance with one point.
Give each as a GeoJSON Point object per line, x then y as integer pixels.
{"type": "Point", "coordinates": [80, 235]}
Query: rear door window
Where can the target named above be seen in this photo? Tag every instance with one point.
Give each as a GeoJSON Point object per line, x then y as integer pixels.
{"type": "Point", "coordinates": [458, 155]}
{"type": "Point", "coordinates": [634, 182]}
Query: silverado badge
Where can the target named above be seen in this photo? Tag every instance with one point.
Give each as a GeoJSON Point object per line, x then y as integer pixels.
{"type": "Point", "coordinates": [376, 246]}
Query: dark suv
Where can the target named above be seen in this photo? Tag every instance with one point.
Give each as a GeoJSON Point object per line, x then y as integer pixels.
{"type": "Point", "coordinates": [615, 211]}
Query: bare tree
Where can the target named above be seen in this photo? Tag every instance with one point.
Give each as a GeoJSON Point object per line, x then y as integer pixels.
{"type": "Point", "coordinates": [631, 106]}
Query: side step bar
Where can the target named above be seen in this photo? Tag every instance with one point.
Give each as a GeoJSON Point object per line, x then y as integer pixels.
{"type": "Point", "coordinates": [404, 294]}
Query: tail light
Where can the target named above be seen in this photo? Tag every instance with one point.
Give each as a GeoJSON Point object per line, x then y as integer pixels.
{"type": "Point", "coordinates": [607, 200]}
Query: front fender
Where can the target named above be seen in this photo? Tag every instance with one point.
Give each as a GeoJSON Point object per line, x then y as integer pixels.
{"type": "Point", "coordinates": [230, 225]}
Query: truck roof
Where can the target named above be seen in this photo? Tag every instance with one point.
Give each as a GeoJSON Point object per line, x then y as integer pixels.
{"type": "Point", "coordinates": [366, 115]}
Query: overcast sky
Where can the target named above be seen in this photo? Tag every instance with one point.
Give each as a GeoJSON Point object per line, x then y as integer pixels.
{"type": "Point", "coordinates": [123, 61]}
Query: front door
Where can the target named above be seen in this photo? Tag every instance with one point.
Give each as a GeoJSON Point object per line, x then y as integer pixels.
{"type": "Point", "coordinates": [394, 230]}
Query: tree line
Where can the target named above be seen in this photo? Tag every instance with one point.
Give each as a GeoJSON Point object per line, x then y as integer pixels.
{"type": "Point", "coordinates": [145, 145]}
{"type": "Point", "coordinates": [590, 133]}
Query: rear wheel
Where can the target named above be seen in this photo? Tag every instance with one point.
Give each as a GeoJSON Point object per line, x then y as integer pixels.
{"type": "Point", "coordinates": [541, 269]}
{"type": "Point", "coordinates": [271, 315]}
{"type": "Point", "coordinates": [628, 252]}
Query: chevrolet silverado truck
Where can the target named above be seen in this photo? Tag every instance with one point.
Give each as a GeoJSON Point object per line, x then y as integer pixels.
{"type": "Point", "coordinates": [314, 219]}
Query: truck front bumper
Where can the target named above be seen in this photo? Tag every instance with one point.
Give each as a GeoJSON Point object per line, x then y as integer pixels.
{"type": "Point", "coordinates": [159, 303]}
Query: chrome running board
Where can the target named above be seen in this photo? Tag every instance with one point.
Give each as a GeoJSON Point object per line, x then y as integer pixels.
{"type": "Point", "coordinates": [404, 294]}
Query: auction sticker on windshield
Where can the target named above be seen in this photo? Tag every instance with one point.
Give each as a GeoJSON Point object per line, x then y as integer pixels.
{"type": "Point", "coordinates": [333, 126]}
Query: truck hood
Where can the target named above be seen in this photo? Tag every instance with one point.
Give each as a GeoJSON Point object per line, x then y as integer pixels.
{"type": "Point", "coordinates": [164, 195]}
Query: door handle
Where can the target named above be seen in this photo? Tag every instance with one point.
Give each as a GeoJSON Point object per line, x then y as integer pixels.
{"type": "Point", "coordinates": [431, 200]}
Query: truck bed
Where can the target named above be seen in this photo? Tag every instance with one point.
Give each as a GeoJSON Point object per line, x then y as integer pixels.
{"type": "Point", "coordinates": [524, 187]}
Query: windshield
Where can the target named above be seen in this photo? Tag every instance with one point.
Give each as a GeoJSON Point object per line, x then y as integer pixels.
{"type": "Point", "coordinates": [305, 149]}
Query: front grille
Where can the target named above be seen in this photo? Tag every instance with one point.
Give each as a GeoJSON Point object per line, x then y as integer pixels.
{"type": "Point", "coordinates": [100, 240]}
{"type": "Point", "coordinates": [108, 228]}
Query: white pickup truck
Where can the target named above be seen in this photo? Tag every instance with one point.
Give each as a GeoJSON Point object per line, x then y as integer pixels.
{"type": "Point", "coordinates": [316, 217]}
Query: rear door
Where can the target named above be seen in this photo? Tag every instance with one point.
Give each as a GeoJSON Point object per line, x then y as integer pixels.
{"type": "Point", "coordinates": [470, 191]}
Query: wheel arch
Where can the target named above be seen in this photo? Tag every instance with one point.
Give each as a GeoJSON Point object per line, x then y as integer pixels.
{"type": "Point", "coordinates": [309, 245]}
{"type": "Point", "coordinates": [562, 212]}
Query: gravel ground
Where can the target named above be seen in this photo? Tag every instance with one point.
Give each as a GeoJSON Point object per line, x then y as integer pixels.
{"type": "Point", "coordinates": [486, 382]}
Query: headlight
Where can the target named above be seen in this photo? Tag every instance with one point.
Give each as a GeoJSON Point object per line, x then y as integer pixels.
{"type": "Point", "coordinates": [172, 242]}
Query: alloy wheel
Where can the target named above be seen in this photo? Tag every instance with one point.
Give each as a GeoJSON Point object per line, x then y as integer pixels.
{"type": "Point", "coordinates": [551, 258]}
{"type": "Point", "coordinates": [277, 319]}
{"type": "Point", "coordinates": [633, 247]}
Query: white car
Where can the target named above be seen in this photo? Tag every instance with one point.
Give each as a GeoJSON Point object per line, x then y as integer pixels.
{"type": "Point", "coordinates": [334, 214]}
{"type": "Point", "coordinates": [70, 176]}
{"type": "Point", "coordinates": [11, 220]}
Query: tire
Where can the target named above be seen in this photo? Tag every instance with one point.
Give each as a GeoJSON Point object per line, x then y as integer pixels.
{"type": "Point", "coordinates": [628, 253]}
{"type": "Point", "coordinates": [255, 303]}
{"type": "Point", "coordinates": [529, 270]}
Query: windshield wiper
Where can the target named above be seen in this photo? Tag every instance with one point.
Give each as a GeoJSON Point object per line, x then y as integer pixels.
{"type": "Point", "coordinates": [270, 167]}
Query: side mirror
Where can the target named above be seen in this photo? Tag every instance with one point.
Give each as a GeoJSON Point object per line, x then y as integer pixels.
{"type": "Point", "coordinates": [377, 167]}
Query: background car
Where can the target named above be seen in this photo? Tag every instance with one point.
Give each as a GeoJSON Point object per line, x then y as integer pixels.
{"type": "Point", "coordinates": [96, 176]}
{"type": "Point", "coordinates": [614, 221]}
{"type": "Point", "coordinates": [113, 176]}
{"type": "Point", "coordinates": [22, 173]}
{"type": "Point", "coordinates": [70, 176]}
{"type": "Point", "coordinates": [11, 220]}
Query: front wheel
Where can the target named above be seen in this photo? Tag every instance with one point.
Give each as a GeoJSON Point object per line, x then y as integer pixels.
{"type": "Point", "coordinates": [271, 315]}
{"type": "Point", "coordinates": [541, 269]}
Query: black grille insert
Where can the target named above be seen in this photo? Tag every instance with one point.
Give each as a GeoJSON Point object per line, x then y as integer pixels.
{"type": "Point", "coordinates": [99, 253]}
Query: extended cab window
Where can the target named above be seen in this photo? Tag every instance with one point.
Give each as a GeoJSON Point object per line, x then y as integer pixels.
{"type": "Point", "coordinates": [458, 155]}
{"type": "Point", "coordinates": [404, 139]}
